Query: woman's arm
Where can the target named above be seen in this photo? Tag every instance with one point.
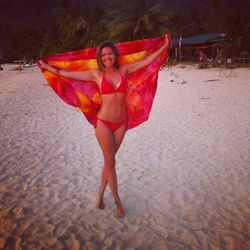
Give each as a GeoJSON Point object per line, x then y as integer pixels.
{"type": "Point", "coordinates": [88, 75]}
{"type": "Point", "coordinates": [131, 68]}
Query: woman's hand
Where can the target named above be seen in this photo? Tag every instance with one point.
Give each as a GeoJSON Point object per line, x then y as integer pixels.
{"type": "Point", "coordinates": [167, 42]}
{"type": "Point", "coordinates": [42, 64]}
{"type": "Point", "coordinates": [131, 68]}
{"type": "Point", "coordinates": [49, 67]}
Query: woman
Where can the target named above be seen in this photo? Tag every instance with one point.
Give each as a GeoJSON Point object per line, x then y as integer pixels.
{"type": "Point", "coordinates": [112, 120]}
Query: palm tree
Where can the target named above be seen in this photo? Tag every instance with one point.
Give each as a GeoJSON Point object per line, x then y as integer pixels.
{"type": "Point", "coordinates": [81, 24]}
{"type": "Point", "coordinates": [72, 24]}
{"type": "Point", "coordinates": [229, 17]}
{"type": "Point", "coordinates": [129, 20]}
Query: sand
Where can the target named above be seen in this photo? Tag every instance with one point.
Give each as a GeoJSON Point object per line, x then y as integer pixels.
{"type": "Point", "coordinates": [184, 176]}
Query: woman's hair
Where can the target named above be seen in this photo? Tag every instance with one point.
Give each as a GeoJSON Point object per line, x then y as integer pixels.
{"type": "Point", "coordinates": [99, 54]}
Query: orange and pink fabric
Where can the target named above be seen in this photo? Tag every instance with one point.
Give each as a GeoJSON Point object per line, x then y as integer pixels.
{"type": "Point", "coordinates": [86, 96]}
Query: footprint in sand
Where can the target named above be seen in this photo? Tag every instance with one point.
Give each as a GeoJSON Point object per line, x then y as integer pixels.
{"type": "Point", "coordinates": [190, 208]}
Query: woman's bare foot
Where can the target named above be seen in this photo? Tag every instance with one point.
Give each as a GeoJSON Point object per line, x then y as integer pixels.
{"type": "Point", "coordinates": [119, 212]}
{"type": "Point", "coordinates": [100, 203]}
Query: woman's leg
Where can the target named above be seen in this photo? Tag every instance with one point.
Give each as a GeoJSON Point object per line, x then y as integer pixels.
{"type": "Point", "coordinates": [119, 135]}
{"type": "Point", "coordinates": [105, 140]}
{"type": "Point", "coordinates": [109, 144]}
{"type": "Point", "coordinates": [118, 138]}
{"type": "Point", "coordinates": [104, 182]}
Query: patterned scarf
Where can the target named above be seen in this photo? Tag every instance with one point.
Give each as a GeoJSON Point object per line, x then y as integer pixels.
{"type": "Point", "coordinates": [86, 95]}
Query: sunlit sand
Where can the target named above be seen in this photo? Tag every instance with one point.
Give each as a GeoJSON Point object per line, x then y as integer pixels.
{"type": "Point", "coordinates": [184, 175]}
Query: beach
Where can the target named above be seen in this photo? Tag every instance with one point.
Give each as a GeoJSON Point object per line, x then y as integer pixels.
{"type": "Point", "coordinates": [184, 176]}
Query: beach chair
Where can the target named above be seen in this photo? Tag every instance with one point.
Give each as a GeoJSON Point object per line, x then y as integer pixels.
{"type": "Point", "coordinates": [230, 67]}
{"type": "Point", "coordinates": [222, 72]}
{"type": "Point", "coordinates": [227, 70]}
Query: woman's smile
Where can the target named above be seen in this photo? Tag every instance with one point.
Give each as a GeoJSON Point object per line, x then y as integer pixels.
{"type": "Point", "coordinates": [108, 57]}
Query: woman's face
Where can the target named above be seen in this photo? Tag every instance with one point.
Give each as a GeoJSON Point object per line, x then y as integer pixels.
{"type": "Point", "coordinates": [108, 57]}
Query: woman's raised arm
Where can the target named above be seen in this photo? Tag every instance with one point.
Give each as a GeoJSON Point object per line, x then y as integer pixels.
{"type": "Point", "coordinates": [131, 68]}
{"type": "Point", "coordinates": [88, 75]}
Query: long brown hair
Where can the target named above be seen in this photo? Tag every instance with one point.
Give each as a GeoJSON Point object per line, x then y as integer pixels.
{"type": "Point", "coordinates": [99, 54]}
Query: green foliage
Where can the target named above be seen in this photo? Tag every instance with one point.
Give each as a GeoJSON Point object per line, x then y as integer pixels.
{"type": "Point", "coordinates": [76, 24]}
{"type": "Point", "coordinates": [129, 20]}
{"type": "Point", "coordinates": [244, 54]}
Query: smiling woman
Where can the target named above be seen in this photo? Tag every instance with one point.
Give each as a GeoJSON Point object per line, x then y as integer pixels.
{"type": "Point", "coordinates": [115, 93]}
{"type": "Point", "coordinates": [104, 49]}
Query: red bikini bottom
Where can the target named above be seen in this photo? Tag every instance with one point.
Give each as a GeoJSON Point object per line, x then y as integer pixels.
{"type": "Point", "coordinates": [113, 126]}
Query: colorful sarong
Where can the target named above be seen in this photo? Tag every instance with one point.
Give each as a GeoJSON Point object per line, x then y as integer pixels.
{"type": "Point", "coordinates": [86, 95]}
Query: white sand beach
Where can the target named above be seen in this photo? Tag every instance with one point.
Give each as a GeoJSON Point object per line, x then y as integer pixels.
{"type": "Point", "coordinates": [184, 176]}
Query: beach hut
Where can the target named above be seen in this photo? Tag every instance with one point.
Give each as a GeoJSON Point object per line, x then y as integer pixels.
{"type": "Point", "coordinates": [205, 45]}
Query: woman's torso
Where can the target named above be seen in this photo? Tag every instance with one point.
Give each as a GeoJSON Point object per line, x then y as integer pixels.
{"type": "Point", "coordinates": [113, 88]}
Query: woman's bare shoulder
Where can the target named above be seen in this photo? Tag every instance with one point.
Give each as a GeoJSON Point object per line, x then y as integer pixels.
{"type": "Point", "coordinates": [98, 74]}
{"type": "Point", "coordinates": [95, 71]}
{"type": "Point", "coordinates": [124, 70]}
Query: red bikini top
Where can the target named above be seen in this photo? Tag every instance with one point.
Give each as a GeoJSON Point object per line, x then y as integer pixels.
{"type": "Point", "coordinates": [108, 88]}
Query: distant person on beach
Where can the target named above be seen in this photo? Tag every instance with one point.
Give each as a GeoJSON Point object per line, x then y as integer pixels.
{"type": "Point", "coordinates": [112, 120]}
{"type": "Point", "coordinates": [202, 56]}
